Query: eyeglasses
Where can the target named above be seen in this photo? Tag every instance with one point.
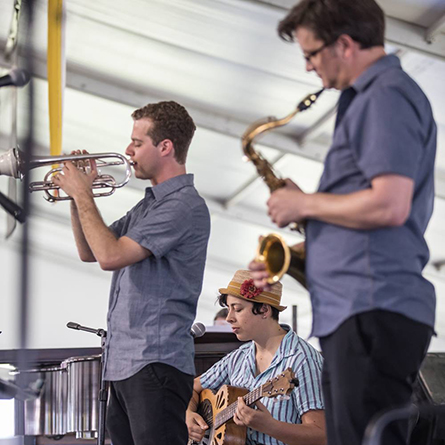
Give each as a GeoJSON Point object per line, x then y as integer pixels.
{"type": "Point", "coordinates": [309, 56]}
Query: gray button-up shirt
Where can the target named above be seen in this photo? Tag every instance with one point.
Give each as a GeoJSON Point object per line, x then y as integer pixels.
{"type": "Point", "coordinates": [153, 302]}
{"type": "Point", "coordinates": [387, 129]}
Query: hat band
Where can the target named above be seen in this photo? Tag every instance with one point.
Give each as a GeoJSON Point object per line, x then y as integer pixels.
{"type": "Point", "coordinates": [268, 296]}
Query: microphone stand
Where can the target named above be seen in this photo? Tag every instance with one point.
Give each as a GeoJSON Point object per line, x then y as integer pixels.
{"type": "Point", "coordinates": [104, 384]}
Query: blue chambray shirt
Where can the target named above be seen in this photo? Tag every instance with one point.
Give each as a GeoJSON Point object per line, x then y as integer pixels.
{"type": "Point", "coordinates": [153, 302]}
{"type": "Point", "coordinates": [387, 129]}
{"type": "Point", "coordinates": [239, 369]}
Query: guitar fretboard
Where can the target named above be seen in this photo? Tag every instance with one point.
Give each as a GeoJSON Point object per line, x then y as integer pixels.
{"type": "Point", "coordinates": [226, 414]}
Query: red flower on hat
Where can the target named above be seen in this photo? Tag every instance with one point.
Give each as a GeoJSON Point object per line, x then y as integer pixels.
{"type": "Point", "coordinates": [249, 290]}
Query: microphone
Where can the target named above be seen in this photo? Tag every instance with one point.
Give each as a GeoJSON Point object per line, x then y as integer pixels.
{"type": "Point", "coordinates": [72, 325]}
{"type": "Point", "coordinates": [12, 208]}
{"type": "Point", "coordinates": [16, 77]}
{"type": "Point", "coordinates": [197, 330]}
{"type": "Point", "coordinates": [100, 332]}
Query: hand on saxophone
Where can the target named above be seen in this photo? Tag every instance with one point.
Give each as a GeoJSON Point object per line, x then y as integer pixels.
{"type": "Point", "coordinates": [259, 272]}
{"type": "Point", "coordinates": [75, 182]}
{"type": "Point", "coordinates": [287, 204]}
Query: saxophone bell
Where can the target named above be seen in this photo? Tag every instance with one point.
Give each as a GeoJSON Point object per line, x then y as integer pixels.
{"type": "Point", "coordinates": [280, 259]}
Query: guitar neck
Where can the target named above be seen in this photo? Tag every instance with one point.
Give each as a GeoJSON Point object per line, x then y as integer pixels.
{"type": "Point", "coordinates": [226, 414]}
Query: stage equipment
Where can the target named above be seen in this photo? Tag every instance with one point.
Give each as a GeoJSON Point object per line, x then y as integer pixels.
{"type": "Point", "coordinates": [84, 378]}
{"type": "Point", "coordinates": [274, 243]}
{"type": "Point", "coordinates": [279, 259]}
{"type": "Point", "coordinates": [16, 77]}
{"type": "Point", "coordinates": [197, 330]}
{"type": "Point", "coordinates": [45, 415]}
{"type": "Point", "coordinates": [87, 383]}
{"type": "Point", "coordinates": [12, 164]}
{"type": "Point", "coordinates": [12, 208]}
{"type": "Point", "coordinates": [9, 390]}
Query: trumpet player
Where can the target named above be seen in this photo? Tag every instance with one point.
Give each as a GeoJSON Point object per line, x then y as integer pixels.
{"type": "Point", "coordinates": [157, 253]}
{"type": "Point", "coordinates": [372, 308]}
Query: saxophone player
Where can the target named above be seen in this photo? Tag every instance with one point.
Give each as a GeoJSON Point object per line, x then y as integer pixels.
{"type": "Point", "coordinates": [372, 308]}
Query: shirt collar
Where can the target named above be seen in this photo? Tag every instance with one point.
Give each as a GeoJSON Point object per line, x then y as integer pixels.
{"type": "Point", "coordinates": [287, 348]}
{"type": "Point", "coordinates": [288, 344]}
{"type": "Point", "coordinates": [169, 186]}
{"type": "Point", "coordinates": [383, 64]}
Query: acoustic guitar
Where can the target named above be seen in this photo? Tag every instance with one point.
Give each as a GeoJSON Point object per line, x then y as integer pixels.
{"type": "Point", "coordinates": [218, 409]}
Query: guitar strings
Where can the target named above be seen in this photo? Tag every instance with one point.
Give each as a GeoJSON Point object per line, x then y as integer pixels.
{"type": "Point", "coordinates": [226, 414]}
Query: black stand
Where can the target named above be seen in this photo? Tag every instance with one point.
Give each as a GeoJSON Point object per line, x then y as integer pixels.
{"type": "Point", "coordinates": [12, 208]}
{"type": "Point", "coordinates": [103, 391]}
{"type": "Point", "coordinates": [377, 425]}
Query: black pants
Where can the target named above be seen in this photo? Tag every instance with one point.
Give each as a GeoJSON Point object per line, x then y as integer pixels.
{"type": "Point", "coordinates": [371, 362]}
{"type": "Point", "coordinates": [149, 407]}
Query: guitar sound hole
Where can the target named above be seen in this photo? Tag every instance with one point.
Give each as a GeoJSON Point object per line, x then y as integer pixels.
{"type": "Point", "coordinates": [220, 400]}
{"type": "Point", "coordinates": [205, 411]}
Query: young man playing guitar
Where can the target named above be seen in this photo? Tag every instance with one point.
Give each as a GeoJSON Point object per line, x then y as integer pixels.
{"type": "Point", "coordinates": [253, 315]}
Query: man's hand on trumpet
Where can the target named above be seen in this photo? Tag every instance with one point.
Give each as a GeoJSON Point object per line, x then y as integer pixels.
{"type": "Point", "coordinates": [73, 181]}
{"type": "Point", "coordinates": [287, 204]}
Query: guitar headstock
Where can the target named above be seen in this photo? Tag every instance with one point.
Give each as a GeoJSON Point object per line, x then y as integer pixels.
{"type": "Point", "coordinates": [282, 384]}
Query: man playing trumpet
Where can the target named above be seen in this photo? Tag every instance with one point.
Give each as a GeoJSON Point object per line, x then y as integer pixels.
{"type": "Point", "coordinates": [157, 253]}
{"type": "Point", "coordinates": [272, 348]}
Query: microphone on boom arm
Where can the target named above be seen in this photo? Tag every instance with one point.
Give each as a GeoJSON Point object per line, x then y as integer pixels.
{"type": "Point", "coordinates": [17, 77]}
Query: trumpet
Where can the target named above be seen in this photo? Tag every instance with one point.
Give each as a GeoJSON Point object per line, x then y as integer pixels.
{"type": "Point", "coordinates": [279, 259]}
{"type": "Point", "coordinates": [12, 164]}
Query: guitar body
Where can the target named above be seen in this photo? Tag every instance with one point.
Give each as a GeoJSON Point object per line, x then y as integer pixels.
{"type": "Point", "coordinates": [218, 409]}
{"type": "Point", "coordinates": [211, 404]}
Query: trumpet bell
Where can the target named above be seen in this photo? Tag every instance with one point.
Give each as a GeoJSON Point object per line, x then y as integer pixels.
{"type": "Point", "coordinates": [9, 164]}
{"type": "Point", "coordinates": [279, 259]}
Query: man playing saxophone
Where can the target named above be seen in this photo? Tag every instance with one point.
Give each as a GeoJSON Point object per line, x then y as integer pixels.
{"type": "Point", "coordinates": [372, 308]}
{"type": "Point", "coordinates": [157, 253]}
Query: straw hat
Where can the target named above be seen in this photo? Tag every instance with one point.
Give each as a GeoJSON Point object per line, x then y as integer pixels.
{"type": "Point", "coordinates": [242, 286]}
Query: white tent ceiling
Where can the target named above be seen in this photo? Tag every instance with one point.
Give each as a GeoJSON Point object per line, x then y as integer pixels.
{"type": "Point", "coordinates": [223, 60]}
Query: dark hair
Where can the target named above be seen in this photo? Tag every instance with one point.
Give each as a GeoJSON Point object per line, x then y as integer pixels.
{"type": "Point", "coordinates": [170, 121]}
{"type": "Point", "coordinates": [362, 20]}
{"type": "Point", "coordinates": [222, 313]}
{"type": "Point", "coordinates": [256, 309]}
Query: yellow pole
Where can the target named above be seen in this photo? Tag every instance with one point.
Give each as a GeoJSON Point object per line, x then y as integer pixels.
{"type": "Point", "coordinates": [56, 73]}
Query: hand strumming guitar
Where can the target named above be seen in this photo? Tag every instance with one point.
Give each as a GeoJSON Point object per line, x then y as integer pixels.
{"type": "Point", "coordinates": [258, 419]}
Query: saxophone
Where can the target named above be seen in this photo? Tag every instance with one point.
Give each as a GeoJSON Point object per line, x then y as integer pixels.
{"type": "Point", "coordinates": [272, 250]}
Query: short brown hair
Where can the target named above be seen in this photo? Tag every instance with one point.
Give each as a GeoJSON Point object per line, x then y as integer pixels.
{"type": "Point", "coordinates": [170, 121]}
{"type": "Point", "coordinates": [362, 20]}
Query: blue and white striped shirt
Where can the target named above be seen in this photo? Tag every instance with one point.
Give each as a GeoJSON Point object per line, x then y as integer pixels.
{"type": "Point", "coordinates": [238, 369]}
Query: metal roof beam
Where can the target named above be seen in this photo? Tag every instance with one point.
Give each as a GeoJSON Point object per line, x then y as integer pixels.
{"type": "Point", "coordinates": [399, 33]}
{"type": "Point", "coordinates": [435, 29]}
{"type": "Point", "coordinates": [110, 88]}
